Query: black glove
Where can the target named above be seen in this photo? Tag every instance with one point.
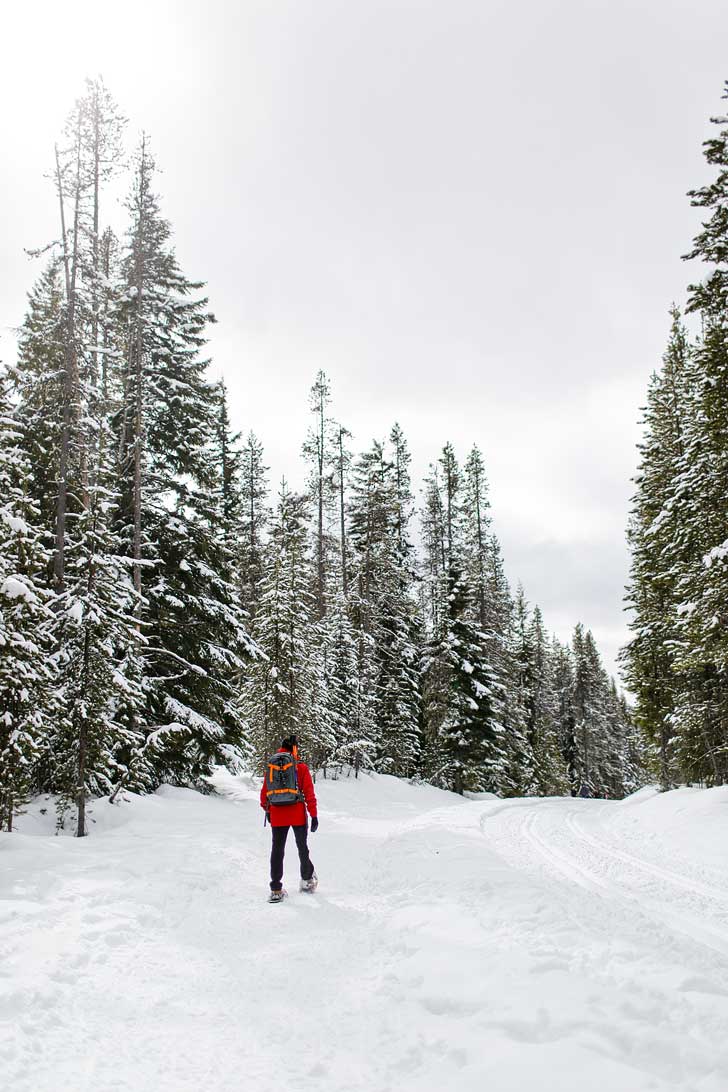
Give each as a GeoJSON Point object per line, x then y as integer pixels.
{"type": "Point", "coordinates": [314, 824]}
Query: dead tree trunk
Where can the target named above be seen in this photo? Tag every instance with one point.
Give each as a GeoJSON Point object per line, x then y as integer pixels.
{"type": "Point", "coordinates": [342, 515]}
{"type": "Point", "coordinates": [70, 376]}
{"type": "Point", "coordinates": [138, 372]}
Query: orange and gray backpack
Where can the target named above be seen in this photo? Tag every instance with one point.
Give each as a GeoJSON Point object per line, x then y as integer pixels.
{"type": "Point", "coordinates": [281, 780]}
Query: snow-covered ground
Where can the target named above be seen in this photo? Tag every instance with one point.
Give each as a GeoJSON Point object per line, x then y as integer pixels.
{"type": "Point", "coordinates": [468, 945]}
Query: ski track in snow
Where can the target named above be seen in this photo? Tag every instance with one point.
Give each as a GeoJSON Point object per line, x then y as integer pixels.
{"type": "Point", "coordinates": [507, 945]}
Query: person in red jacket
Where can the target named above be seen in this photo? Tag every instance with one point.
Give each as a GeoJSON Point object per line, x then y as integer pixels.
{"type": "Point", "coordinates": [284, 816]}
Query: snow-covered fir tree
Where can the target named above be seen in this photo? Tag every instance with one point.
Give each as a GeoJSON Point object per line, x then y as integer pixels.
{"type": "Point", "coordinates": [703, 705]}
{"type": "Point", "coordinates": [90, 607]}
{"type": "Point", "coordinates": [286, 693]}
{"type": "Point", "coordinates": [228, 491]}
{"type": "Point", "coordinates": [544, 773]}
{"type": "Point", "coordinates": [254, 517]}
{"type": "Point", "coordinates": [335, 643]}
{"type": "Point", "coordinates": [661, 536]}
{"type": "Point", "coordinates": [37, 378]}
{"type": "Point", "coordinates": [383, 605]}
{"type": "Point", "coordinates": [26, 692]}
{"type": "Point", "coordinates": [601, 730]}
{"type": "Point", "coordinates": [173, 511]}
{"type": "Point", "coordinates": [320, 451]}
{"type": "Point", "coordinates": [677, 658]}
{"type": "Point", "coordinates": [462, 699]}
{"type": "Point", "coordinates": [562, 665]}
{"type": "Point", "coordinates": [98, 649]}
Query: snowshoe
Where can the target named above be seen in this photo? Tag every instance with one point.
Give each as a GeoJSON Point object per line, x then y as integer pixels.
{"type": "Point", "coordinates": [277, 896]}
{"type": "Point", "coordinates": [309, 885]}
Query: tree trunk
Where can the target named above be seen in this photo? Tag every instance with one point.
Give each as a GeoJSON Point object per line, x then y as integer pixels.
{"type": "Point", "coordinates": [104, 364]}
{"type": "Point", "coordinates": [448, 485]}
{"type": "Point", "coordinates": [95, 239]}
{"type": "Point", "coordinates": [481, 549]}
{"type": "Point", "coordinates": [75, 375]}
{"type": "Point", "coordinates": [62, 499]}
{"type": "Point", "coordinates": [320, 539]}
{"type": "Point", "coordinates": [71, 384]}
{"type": "Point", "coordinates": [344, 578]}
{"type": "Point", "coordinates": [664, 765]}
{"type": "Point", "coordinates": [138, 402]}
{"type": "Point", "coordinates": [85, 675]}
{"type": "Point", "coordinates": [82, 743]}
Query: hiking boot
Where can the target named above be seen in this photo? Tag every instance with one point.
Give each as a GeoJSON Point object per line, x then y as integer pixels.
{"type": "Point", "coordinates": [309, 885]}
{"type": "Point", "coordinates": [277, 896]}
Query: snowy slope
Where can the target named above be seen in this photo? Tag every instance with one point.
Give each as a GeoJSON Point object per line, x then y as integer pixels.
{"type": "Point", "coordinates": [477, 944]}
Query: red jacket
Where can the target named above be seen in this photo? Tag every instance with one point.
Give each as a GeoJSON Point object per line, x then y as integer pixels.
{"type": "Point", "coordinates": [292, 815]}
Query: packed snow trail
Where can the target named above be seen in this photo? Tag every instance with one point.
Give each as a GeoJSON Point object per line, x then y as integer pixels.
{"type": "Point", "coordinates": [469, 944]}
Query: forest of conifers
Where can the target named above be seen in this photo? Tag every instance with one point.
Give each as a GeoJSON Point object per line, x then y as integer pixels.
{"type": "Point", "coordinates": [165, 608]}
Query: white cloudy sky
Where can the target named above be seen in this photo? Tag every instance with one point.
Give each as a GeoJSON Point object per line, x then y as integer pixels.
{"type": "Point", "coordinates": [470, 213]}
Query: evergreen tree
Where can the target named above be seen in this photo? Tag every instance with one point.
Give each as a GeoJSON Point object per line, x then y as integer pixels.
{"type": "Point", "coordinates": [599, 730]}
{"type": "Point", "coordinates": [254, 518]}
{"type": "Point", "coordinates": [88, 159]}
{"type": "Point", "coordinates": [677, 658]}
{"type": "Point", "coordinates": [702, 714]}
{"type": "Point", "coordinates": [228, 491]}
{"type": "Point", "coordinates": [494, 611]}
{"type": "Point", "coordinates": [286, 692]}
{"type": "Point", "coordinates": [383, 606]}
{"type": "Point", "coordinates": [588, 714]}
{"type": "Point", "coordinates": [661, 537]}
{"type": "Point", "coordinates": [370, 524]}
{"type": "Point", "coordinates": [351, 733]}
{"type": "Point", "coordinates": [320, 452]}
{"type": "Point", "coordinates": [478, 552]}
{"type": "Point", "coordinates": [462, 698]}
{"type": "Point", "coordinates": [173, 507]}
{"type": "Point", "coordinates": [523, 656]}
{"type": "Point", "coordinates": [88, 633]}
{"type": "Point", "coordinates": [91, 630]}
{"type": "Point", "coordinates": [400, 626]}
{"type": "Point", "coordinates": [98, 650]}
{"type": "Point", "coordinates": [543, 771]}
{"type": "Point", "coordinates": [37, 380]}
{"type": "Point", "coordinates": [342, 465]}
{"type": "Point", "coordinates": [26, 704]}
{"type": "Point", "coordinates": [710, 296]}
{"type": "Point", "coordinates": [563, 691]}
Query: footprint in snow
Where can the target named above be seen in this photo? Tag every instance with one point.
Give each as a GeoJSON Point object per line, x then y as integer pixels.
{"type": "Point", "coordinates": [696, 984]}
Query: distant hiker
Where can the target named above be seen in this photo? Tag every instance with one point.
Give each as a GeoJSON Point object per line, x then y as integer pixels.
{"type": "Point", "coordinates": [286, 795]}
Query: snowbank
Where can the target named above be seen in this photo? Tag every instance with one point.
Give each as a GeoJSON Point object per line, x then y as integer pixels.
{"type": "Point", "coordinates": [689, 822]}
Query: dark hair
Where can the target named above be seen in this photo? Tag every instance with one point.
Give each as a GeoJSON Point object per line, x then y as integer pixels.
{"type": "Point", "coordinates": [289, 743]}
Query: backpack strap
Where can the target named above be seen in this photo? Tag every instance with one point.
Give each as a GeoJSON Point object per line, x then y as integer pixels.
{"type": "Point", "coordinates": [281, 767]}
{"type": "Point", "coordinates": [272, 766]}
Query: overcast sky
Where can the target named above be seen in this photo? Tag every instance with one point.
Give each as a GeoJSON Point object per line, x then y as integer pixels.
{"type": "Point", "coordinates": [470, 214]}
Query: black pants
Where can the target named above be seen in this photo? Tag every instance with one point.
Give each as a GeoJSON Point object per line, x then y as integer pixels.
{"type": "Point", "coordinates": [279, 847]}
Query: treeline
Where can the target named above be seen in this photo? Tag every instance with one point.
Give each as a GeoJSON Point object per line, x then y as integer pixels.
{"type": "Point", "coordinates": [677, 660]}
{"type": "Point", "coordinates": [412, 662]}
{"type": "Point", "coordinates": [161, 612]}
